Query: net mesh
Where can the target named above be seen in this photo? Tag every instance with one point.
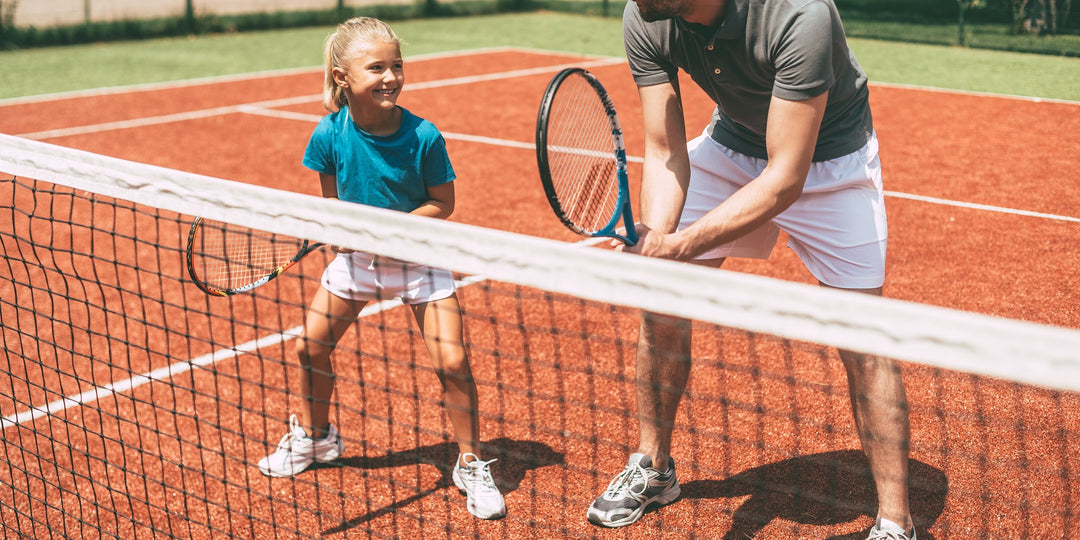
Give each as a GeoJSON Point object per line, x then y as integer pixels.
{"type": "Point", "coordinates": [136, 406]}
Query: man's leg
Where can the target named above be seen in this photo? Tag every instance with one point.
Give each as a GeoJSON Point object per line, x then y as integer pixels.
{"type": "Point", "coordinates": [880, 407]}
{"type": "Point", "coordinates": [663, 368]}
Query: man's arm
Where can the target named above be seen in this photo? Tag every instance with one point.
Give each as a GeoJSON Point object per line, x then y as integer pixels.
{"type": "Point", "coordinates": [666, 171]}
{"type": "Point", "coordinates": [790, 140]}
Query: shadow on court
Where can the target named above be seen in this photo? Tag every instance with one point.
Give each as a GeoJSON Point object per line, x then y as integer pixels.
{"type": "Point", "coordinates": [515, 459]}
{"type": "Point", "coordinates": [820, 489]}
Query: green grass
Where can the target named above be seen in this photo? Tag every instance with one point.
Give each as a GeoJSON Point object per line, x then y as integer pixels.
{"type": "Point", "coordinates": [978, 36]}
{"type": "Point", "coordinates": [975, 70]}
{"type": "Point", "coordinates": [58, 69]}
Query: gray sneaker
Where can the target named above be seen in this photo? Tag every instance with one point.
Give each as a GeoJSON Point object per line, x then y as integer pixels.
{"type": "Point", "coordinates": [889, 531]}
{"type": "Point", "coordinates": [632, 491]}
{"type": "Point", "coordinates": [296, 451]}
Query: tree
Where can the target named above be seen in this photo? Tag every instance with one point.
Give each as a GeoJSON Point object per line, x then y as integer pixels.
{"type": "Point", "coordinates": [962, 7]}
{"type": "Point", "coordinates": [1040, 16]}
{"type": "Point", "coordinates": [7, 22]}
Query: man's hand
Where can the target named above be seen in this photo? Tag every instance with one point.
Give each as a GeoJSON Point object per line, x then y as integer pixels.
{"type": "Point", "coordinates": [650, 244]}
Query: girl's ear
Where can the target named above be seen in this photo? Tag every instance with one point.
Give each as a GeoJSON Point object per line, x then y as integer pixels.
{"type": "Point", "coordinates": [339, 77]}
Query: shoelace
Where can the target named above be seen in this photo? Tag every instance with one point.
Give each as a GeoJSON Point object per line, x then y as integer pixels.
{"type": "Point", "coordinates": [621, 484]}
{"type": "Point", "coordinates": [480, 469]}
{"type": "Point", "coordinates": [286, 441]}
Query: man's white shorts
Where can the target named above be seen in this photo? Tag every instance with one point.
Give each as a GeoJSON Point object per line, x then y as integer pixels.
{"type": "Point", "coordinates": [359, 276]}
{"type": "Point", "coordinates": [837, 227]}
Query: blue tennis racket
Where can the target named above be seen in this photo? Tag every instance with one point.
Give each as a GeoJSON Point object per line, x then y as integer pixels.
{"type": "Point", "coordinates": [582, 159]}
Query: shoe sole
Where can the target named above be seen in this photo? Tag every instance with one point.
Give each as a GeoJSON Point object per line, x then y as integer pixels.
{"type": "Point", "coordinates": [275, 474]}
{"type": "Point", "coordinates": [662, 499]}
{"type": "Point", "coordinates": [324, 459]}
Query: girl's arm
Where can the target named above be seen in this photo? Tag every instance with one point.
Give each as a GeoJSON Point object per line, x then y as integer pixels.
{"type": "Point", "coordinates": [440, 203]}
{"type": "Point", "coordinates": [328, 182]}
{"type": "Point", "coordinates": [329, 185]}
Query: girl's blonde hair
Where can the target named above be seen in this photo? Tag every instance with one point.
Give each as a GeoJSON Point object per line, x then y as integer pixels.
{"type": "Point", "coordinates": [341, 44]}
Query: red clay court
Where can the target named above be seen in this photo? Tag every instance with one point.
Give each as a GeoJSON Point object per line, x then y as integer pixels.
{"type": "Point", "coordinates": [982, 210]}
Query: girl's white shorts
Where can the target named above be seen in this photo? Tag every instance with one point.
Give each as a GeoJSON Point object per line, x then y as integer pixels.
{"type": "Point", "coordinates": [837, 227]}
{"type": "Point", "coordinates": [360, 276]}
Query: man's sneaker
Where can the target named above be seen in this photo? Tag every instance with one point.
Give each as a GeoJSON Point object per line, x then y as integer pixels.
{"type": "Point", "coordinates": [474, 478]}
{"type": "Point", "coordinates": [887, 530]}
{"type": "Point", "coordinates": [632, 491]}
{"type": "Point", "coordinates": [297, 451]}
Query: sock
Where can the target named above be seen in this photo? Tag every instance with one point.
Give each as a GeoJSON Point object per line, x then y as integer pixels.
{"type": "Point", "coordinates": [889, 526]}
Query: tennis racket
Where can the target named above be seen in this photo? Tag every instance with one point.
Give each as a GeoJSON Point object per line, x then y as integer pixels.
{"type": "Point", "coordinates": [579, 148]}
{"type": "Point", "coordinates": [225, 259]}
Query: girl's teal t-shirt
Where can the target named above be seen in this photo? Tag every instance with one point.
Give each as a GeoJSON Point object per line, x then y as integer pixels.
{"type": "Point", "coordinates": [391, 172]}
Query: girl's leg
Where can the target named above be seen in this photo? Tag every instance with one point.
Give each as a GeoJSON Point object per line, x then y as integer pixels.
{"type": "Point", "coordinates": [328, 318]}
{"type": "Point", "coordinates": [440, 325]}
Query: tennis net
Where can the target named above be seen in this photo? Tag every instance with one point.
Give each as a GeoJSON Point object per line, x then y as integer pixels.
{"type": "Point", "coordinates": [134, 405]}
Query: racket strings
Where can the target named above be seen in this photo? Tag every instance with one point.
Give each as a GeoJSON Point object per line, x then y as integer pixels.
{"type": "Point", "coordinates": [581, 157]}
{"type": "Point", "coordinates": [230, 257]}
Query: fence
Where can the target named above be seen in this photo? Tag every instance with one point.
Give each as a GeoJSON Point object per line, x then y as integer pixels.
{"type": "Point", "coordinates": [53, 13]}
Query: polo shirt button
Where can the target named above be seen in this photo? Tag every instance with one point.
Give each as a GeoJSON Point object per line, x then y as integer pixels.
{"type": "Point", "coordinates": [710, 47]}
{"type": "Point", "coordinates": [716, 71]}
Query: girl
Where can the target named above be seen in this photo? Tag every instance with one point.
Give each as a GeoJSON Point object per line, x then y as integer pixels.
{"type": "Point", "coordinates": [370, 151]}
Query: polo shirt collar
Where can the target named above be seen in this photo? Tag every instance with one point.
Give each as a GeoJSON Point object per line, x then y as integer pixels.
{"type": "Point", "coordinates": [732, 26]}
{"type": "Point", "coordinates": [734, 23]}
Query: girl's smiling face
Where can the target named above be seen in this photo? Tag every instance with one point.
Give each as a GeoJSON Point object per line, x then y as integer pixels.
{"type": "Point", "coordinates": [373, 77]}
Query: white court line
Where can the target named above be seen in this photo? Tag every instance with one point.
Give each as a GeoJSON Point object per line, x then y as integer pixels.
{"type": "Point", "coordinates": [285, 102]}
{"type": "Point", "coordinates": [205, 360]}
{"type": "Point", "coordinates": [976, 206]}
{"type": "Point", "coordinates": [256, 75]}
{"type": "Point", "coordinates": [267, 108]}
{"type": "Point", "coordinates": [637, 159]}
{"type": "Point", "coordinates": [139, 122]}
{"type": "Point", "coordinates": [974, 93]}
{"type": "Point", "coordinates": [107, 390]}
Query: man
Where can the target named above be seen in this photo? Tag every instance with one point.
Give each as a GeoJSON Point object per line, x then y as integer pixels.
{"type": "Point", "coordinates": [791, 146]}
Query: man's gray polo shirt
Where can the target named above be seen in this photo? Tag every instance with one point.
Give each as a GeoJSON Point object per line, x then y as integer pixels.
{"type": "Point", "coordinates": [792, 49]}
